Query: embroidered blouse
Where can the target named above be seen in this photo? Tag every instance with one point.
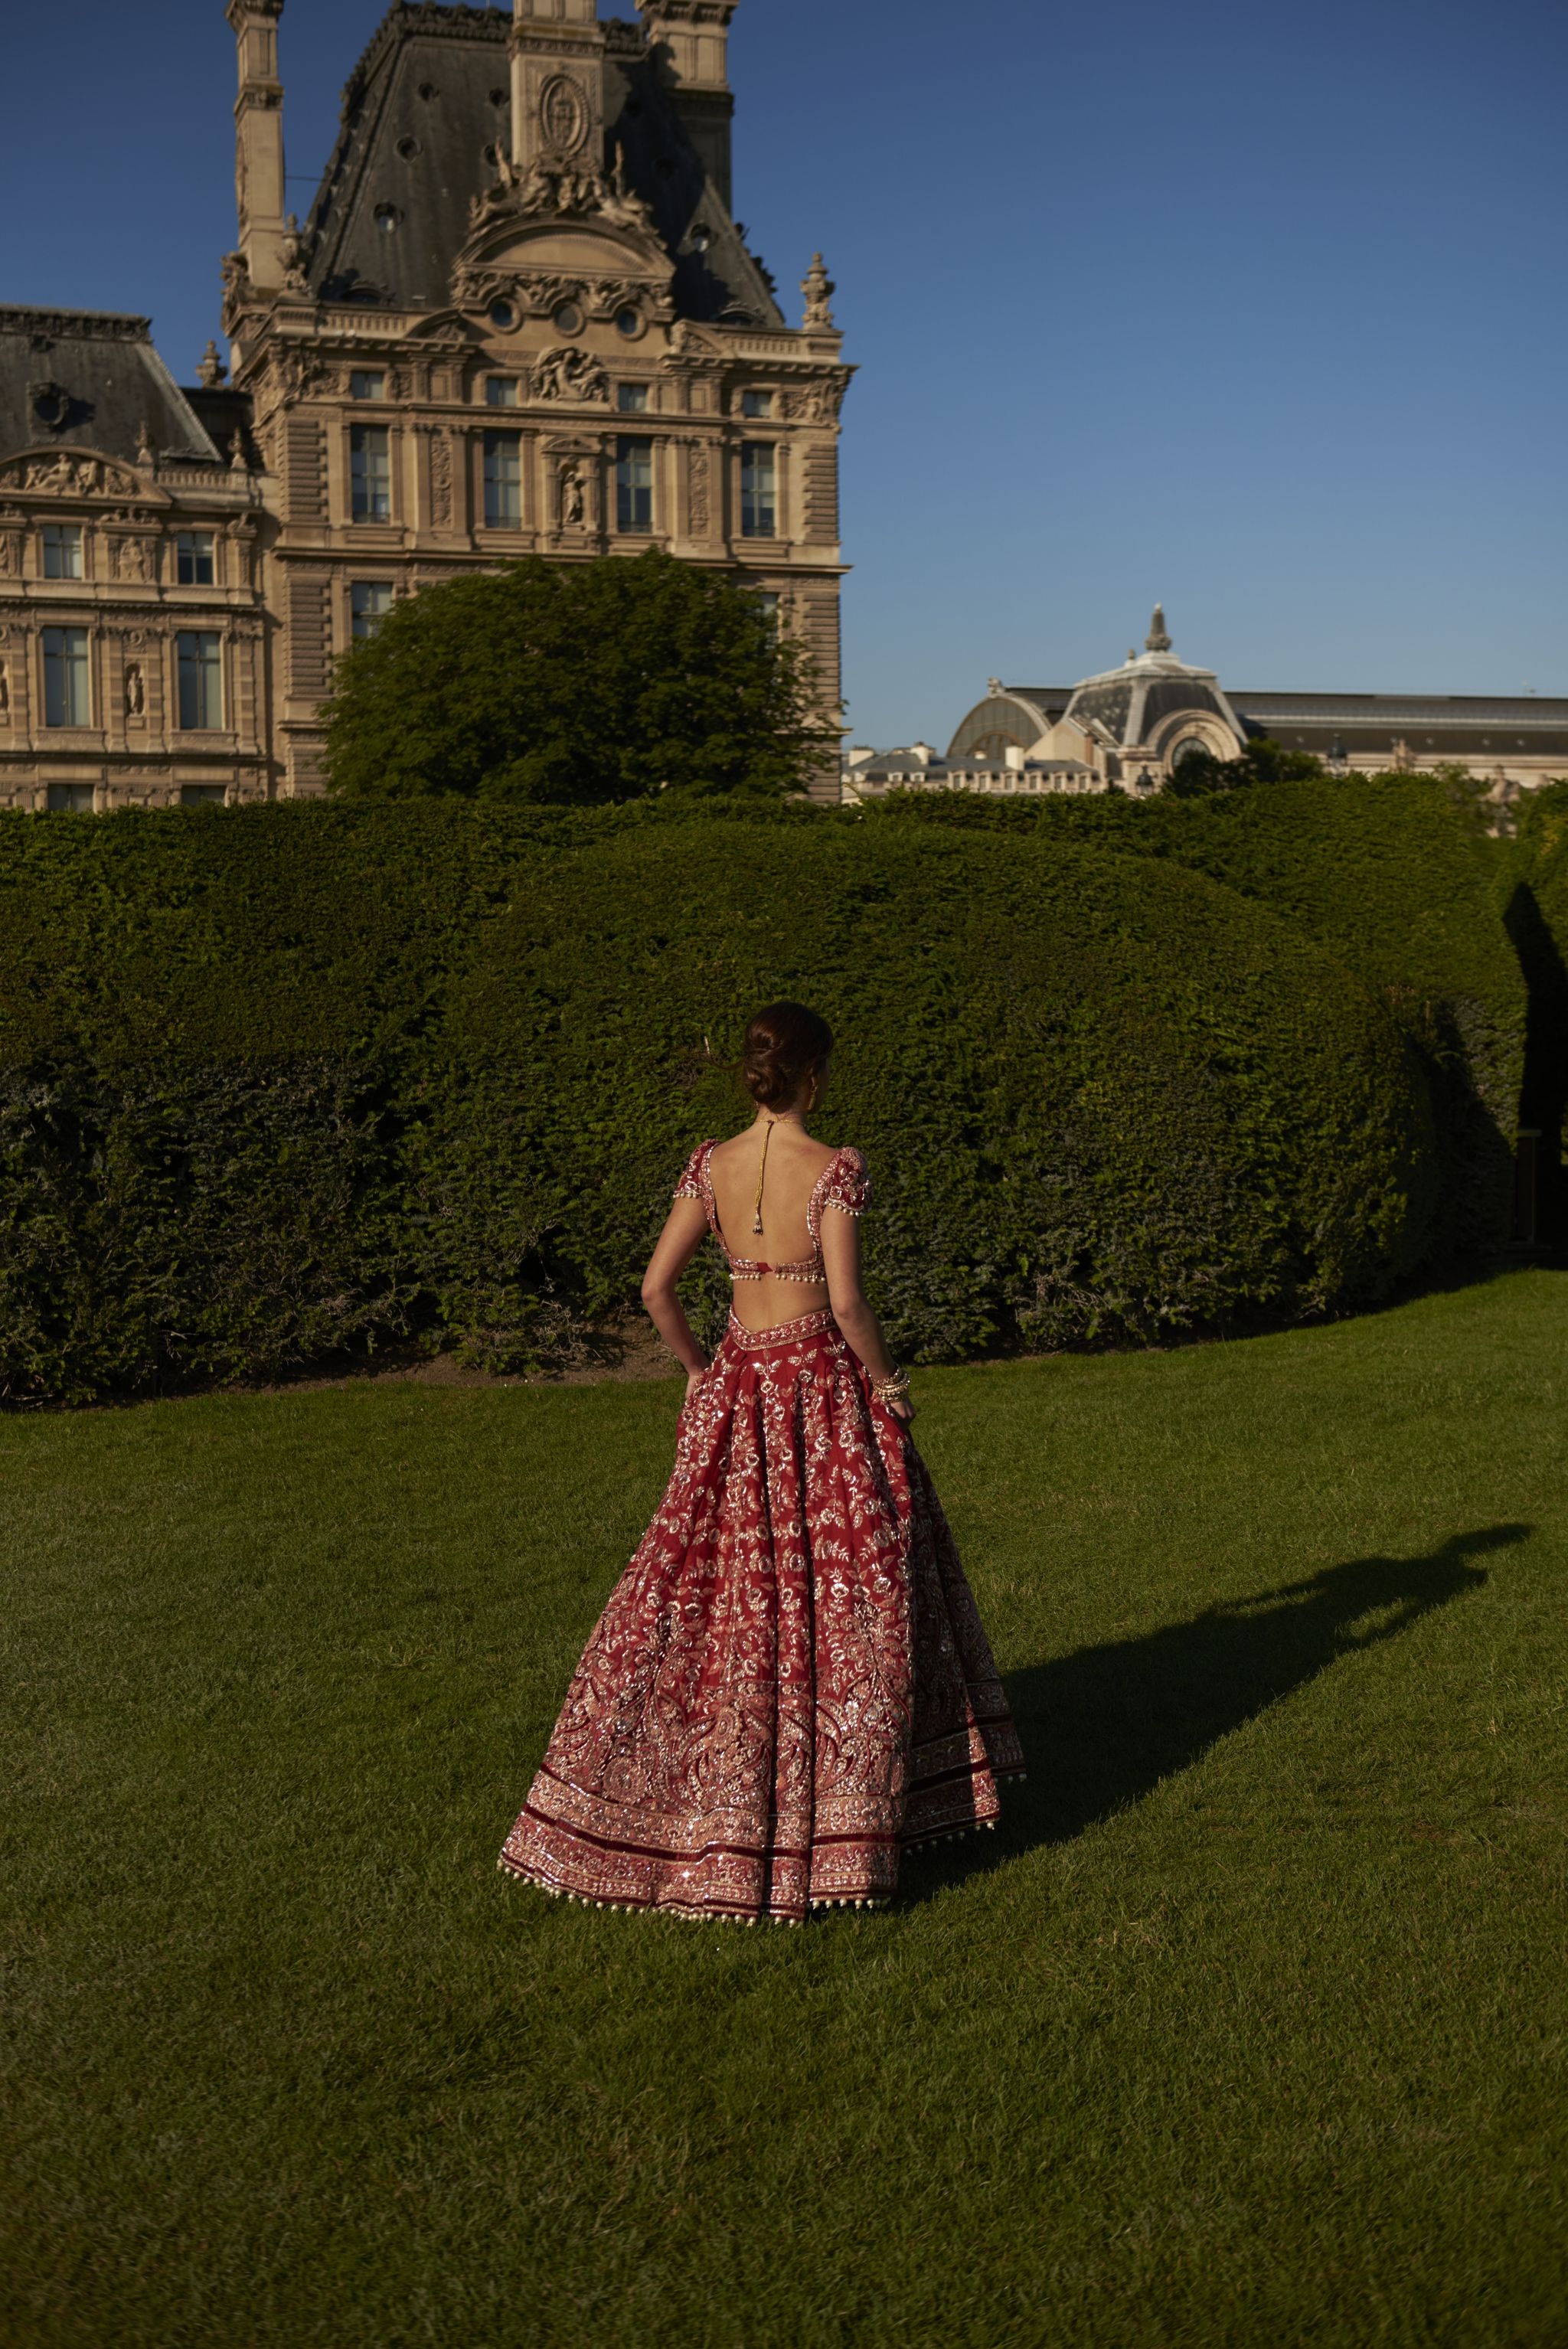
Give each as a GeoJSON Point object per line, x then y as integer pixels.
{"type": "Point", "coordinates": [844, 1183]}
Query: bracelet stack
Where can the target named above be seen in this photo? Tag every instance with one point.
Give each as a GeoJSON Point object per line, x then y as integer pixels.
{"type": "Point", "coordinates": [891, 1389]}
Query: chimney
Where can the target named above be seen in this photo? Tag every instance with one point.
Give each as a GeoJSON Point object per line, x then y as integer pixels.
{"type": "Point", "coordinates": [690, 39]}
{"type": "Point", "coordinates": [258, 139]}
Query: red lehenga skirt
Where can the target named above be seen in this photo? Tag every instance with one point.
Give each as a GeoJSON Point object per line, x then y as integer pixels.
{"type": "Point", "coordinates": [791, 1686]}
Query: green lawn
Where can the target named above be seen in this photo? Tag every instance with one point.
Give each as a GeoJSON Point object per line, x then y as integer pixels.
{"type": "Point", "coordinates": [1250, 2027]}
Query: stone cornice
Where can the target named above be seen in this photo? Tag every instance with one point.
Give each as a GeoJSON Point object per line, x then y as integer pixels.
{"type": "Point", "coordinates": [78, 326]}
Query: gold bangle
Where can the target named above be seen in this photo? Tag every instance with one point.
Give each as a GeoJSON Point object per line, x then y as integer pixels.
{"type": "Point", "coordinates": [890, 1389]}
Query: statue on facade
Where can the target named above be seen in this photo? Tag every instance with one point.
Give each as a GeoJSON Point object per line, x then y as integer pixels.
{"type": "Point", "coordinates": [5, 692]}
{"type": "Point", "coordinates": [573, 497]}
{"type": "Point", "coordinates": [291, 253]}
{"type": "Point", "coordinates": [134, 690]}
{"type": "Point", "coordinates": [133, 564]}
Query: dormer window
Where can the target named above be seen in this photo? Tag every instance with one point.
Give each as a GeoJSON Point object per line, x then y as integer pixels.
{"type": "Point", "coordinates": [367, 383]}
{"type": "Point", "coordinates": [632, 399]}
{"type": "Point", "coordinates": [757, 403]}
{"type": "Point", "coordinates": [500, 391]}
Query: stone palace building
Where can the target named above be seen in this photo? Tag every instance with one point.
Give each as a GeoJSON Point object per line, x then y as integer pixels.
{"type": "Point", "coordinates": [1128, 729]}
{"type": "Point", "coordinates": [520, 318]}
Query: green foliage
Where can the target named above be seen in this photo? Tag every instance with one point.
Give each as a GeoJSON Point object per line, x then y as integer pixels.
{"type": "Point", "coordinates": [574, 685]}
{"type": "Point", "coordinates": [280, 1083]}
{"type": "Point", "coordinates": [1535, 895]}
{"type": "Point", "coordinates": [1201, 774]}
{"type": "Point", "coordinates": [1394, 879]}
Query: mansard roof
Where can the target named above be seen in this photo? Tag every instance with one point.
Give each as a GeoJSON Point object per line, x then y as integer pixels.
{"type": "Point", "coordinates": [91, 379]}
{"type": "Point", "coordinates": [427, 113]}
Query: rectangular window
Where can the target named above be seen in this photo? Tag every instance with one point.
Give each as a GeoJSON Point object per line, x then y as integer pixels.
{"type": "Point", "coordinates": [71, 799]}
{"type": "Point", "coordinates": [500, 391]}
{"type": "Point", "coordinates": [370, 471]}
{"type": "Point", "coordinates": [200, 681]}
{"type": "Point", "coordinates": [367, 383]}
{"type": "Point", "coordinates": [632, 399]}
{"type": "Point", "coordinates": [195, 559]}
{"type": "Point", "coordinates": [67, 684]}
{"type": "Point", "coordinates": [371, 600]}
{"type": "Point", "coordinates": [758, 489]}
{"type": "Point", "coordinates": [204, 794]}
{"type": "Point", "coordinates": [772, 607]}
{"type": "Point", "coordinates": [634, 485]}
{"type": "Point", "coordinates": [62, 550]}
{"type": "Point", "coordinates": [757, 403]}
{"type": "Point", "coordinates": [503, 480]}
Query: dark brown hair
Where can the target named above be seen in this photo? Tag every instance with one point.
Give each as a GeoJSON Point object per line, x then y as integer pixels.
{"type": "Point", "coordinates": [785, 1044]}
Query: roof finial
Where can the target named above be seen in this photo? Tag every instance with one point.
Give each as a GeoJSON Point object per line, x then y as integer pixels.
{"type": "Point", "coordinates": [1158, 641]}
{"type": "Point", "coordinates": [212, 371]}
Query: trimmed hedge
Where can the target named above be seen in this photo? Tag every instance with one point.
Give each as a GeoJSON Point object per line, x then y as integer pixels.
{"type": "Point", "coordinates": [1536, 897]}
{"type": "Point", "coordinates": [1396, 879]}
{"type": "Point", "coordinates": [289, 1082]}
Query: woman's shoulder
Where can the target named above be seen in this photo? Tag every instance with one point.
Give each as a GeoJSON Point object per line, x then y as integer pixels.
{"type": "Point", "coordinates": [690, 1185]}
{"type": "Point", "coordinates": [844, 1181]}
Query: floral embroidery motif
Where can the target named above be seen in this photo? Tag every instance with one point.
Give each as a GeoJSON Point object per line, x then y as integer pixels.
{"type": "Point", "coordinates": [790, 1685]}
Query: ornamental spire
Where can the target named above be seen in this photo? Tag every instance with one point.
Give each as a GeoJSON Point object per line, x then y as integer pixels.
{"type": "Point", "coordinates": [1158, 639]}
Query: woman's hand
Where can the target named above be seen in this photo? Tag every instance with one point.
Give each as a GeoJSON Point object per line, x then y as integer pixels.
{"type": "Point", "coordinates": [694, 1387]}
{"type": "Point", "coordinates": [903, 1410]}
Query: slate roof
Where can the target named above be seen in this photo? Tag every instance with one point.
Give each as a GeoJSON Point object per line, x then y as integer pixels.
{"type": "Point", "coordinates": [425, 114]}
{"type": "Point", "coordinates": [1462, 725]}
{"type": "Point", "coordinates": [92, 379]}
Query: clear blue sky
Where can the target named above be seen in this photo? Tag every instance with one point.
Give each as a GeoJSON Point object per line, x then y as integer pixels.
{"type": "Point", "coordinates": [1257, 307]}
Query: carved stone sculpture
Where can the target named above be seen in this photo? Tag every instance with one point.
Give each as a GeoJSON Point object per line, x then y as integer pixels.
{"type": "Point", "coordinates": [4, 693]}
{"type": "Point", "coordinates": [819, 289]}
{"type": "Point", "coordinates": [134, 565]}
{"type": "Point", "coordinates": [567, 374]}
{"type": "Point", "coordinates": [291, 253]}
{"type": "Point", "coordinates": [134, 690]}
{"type": "Point", "coordinates": [573, 497]}
{"type": "Point", "coordinates": [211, 372]}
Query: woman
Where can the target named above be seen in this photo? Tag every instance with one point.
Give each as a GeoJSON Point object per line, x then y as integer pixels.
{"type": "Point", "coordinates": [790, 1685]}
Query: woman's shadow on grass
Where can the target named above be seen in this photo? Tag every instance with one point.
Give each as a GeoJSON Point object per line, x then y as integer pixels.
{"type": "Point", "coordinates": [1102, 1728]}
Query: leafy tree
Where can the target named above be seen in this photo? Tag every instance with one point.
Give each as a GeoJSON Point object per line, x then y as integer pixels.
{"type": "Point", "coordinates": [1265, 761]}
{"type": "Point", "coordinates": [575, 684]}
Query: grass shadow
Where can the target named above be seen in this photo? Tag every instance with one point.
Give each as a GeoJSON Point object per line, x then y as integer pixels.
{"type": "Point", "coordinates": [1102, 1728]}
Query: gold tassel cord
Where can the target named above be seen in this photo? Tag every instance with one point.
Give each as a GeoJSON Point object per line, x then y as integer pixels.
{"type": "Point", "coordinates": [761, 1179]}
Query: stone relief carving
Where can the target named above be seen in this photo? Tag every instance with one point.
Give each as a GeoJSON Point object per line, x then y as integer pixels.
{"type": "Point", "coordinates": [134, 690]}
{"type": "Point", "coordinates": [441, 479]}
{"type": "Point", "coordinates": [4, 693]}
{"type": "Point", "coordinates": [134, 566]}
{"type": "Point", "coordinates": [292, 254]}
{"type": "Point", "coordinates": [564, 114]}
{"type": "Point", "coordinates": [566, 374]}
{"type": "Point", "coordinates": [70, 477]}
{"type": "Point", "coordinates": [700, 510]}
{"type": "Point", "coordinates": [10, 555]}
{"type": "Point", "coordinates": [557, 184]}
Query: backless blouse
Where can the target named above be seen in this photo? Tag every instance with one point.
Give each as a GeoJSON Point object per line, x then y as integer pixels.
{"type": "Point", "coordinates": [844, 1183]}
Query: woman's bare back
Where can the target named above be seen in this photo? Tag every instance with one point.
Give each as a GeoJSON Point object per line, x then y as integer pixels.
{"type": "Point", "coordinates": [796, 1164]}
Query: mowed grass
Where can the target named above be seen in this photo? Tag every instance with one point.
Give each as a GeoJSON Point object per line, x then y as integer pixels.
{"type": "Point", "coordinates": [1252, 2027]}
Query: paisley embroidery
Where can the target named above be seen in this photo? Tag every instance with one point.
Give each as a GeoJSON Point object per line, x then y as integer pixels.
{"type": "Point", "coordinates": [791, 1684]}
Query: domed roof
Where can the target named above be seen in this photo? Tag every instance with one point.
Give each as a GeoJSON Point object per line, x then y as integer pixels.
{"type": "Point", "coordinates": [1136, 703]}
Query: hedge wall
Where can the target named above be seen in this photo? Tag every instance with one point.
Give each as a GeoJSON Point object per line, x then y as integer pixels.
{"type": "Point", "coordinates": [1394, 879]}
{"type": "Point", "coordinates": [1536, 897]}
{"type": "Point", "coordinates": [280, 1085]}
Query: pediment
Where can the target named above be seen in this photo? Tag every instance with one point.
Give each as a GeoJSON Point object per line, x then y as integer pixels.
{"type": "Point", "coordinates": [55, 473]}
{"type": "Point", "coordinates": [556, 249]}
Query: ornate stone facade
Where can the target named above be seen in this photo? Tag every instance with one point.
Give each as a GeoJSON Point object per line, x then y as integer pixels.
{"type": "Point", "coordinates": [519, 318]}
{"type": "Point", "coordinates": [131, 553]}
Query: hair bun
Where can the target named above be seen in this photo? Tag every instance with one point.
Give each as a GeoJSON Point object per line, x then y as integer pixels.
{"type": "Point", "coordinates": [784, 1045]}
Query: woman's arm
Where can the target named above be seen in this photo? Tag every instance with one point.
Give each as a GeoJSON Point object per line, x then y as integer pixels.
{"type": "Point", "coordinates": [842, 1258]}
{"type": "Point", "coordinates": [679, 1243]}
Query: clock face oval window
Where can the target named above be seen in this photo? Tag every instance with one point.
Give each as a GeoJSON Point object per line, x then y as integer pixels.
{"type": "Point", "coordinates": [503, 315]}
{"type": "Point", "coordinates": [629, 322]}
{"type": "Point", "coordinates": [569, 319]}
{"type": "Point", "coordinates": [564, 114]}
